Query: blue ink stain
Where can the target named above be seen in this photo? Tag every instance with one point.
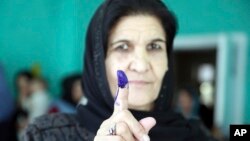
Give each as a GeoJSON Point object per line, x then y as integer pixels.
{"type": "Point", "coordinates": [122, 79]}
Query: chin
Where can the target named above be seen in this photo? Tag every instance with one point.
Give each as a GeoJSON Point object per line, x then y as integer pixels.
{"type": "Point", "coordinates": [136, 101]}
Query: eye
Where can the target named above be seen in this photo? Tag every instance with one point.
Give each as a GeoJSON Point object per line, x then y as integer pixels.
{"type": "Point", "coordinates": [122, 47]}
{"type": "Point", "coordinates": [154, 46]}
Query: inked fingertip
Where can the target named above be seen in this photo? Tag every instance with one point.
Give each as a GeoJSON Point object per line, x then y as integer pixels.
{"type": "Point", "coordinates": [122, 79]}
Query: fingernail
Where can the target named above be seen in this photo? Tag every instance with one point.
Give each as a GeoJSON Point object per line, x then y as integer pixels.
{"type": "Point", "coordinates": [145, 138]}
{"type": "Point", "coordinates": [122, 79]}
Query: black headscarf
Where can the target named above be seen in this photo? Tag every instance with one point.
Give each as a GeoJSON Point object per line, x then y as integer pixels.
{"type": "Point", "coordinates": [170, 126]}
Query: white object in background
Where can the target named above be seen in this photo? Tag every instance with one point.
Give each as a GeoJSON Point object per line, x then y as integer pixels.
{"type": "Point", "coordinates": [206, 73]}
{"type": "Point", "coordinates": [207, 93]}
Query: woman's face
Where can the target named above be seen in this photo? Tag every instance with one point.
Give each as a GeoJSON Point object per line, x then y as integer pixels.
{"type": "Point", "coordinates": [77, 92]}
{"type": "Point", "coordinates": [137, 45]}
{"type": "Point", "coordinates": [185, 102]}
{"type": "Point", "coordinates": [23, 85]}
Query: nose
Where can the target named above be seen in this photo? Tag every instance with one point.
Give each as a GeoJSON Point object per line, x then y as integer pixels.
{"type": "Point", "coordinates": [139, 61]}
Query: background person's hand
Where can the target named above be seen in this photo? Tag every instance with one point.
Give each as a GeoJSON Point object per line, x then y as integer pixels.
{"type": "Point", "coordinates": [127, 127]}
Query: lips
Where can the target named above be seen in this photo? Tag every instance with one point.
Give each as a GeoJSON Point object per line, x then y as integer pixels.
{"type": "Point", "coordinates": [139, 82]}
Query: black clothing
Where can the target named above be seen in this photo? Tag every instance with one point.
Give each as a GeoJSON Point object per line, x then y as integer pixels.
{"type": "Point", "coordinates": [57, 127]}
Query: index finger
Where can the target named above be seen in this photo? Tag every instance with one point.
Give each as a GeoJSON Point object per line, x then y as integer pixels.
{"type": "Point", "coordinates": [121, 99]}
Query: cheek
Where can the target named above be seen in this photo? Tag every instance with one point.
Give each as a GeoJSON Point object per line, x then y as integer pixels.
{"type": "Point", "coordinates": [160, 66]}
{"type": "Point", "coordinates": [112, 64]}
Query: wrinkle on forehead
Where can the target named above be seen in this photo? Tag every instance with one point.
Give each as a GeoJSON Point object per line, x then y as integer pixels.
{"type": "Point", "coordinates": [139, 28]}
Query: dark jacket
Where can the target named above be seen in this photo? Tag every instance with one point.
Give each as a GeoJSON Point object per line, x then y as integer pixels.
{"type": "Point", "coordinates": [57, 127]}
{"type": "Point", "coordinates": [65, 127]}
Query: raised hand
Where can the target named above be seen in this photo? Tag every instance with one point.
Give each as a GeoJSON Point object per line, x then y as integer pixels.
{"type": "Point", "coordinates": [122, 125]}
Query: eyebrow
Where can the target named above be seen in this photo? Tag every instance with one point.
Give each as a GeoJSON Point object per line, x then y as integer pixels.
{"type": "Point", "coordinates": [120, 41]}
{"type": "Point", "coordinates": [127, 41]}
{"type": "Point", "coordinates": [158, 40]}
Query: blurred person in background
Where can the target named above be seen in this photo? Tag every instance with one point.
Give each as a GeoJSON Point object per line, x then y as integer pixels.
{"type": "Point", "coordinates": [39, 100]}
{"type": "Point", "coordinates": [188, 102]}
{"type": "Point", "coordinates": [33, 99]}
{"type": "Point", "coordinates": [72, 94]}
{"type": "Point", "coordinates": [72, 89]}
{"type": "Point", "coordinates": [7, 111]}
{"type": "Point", "coordinates": [22, 83]}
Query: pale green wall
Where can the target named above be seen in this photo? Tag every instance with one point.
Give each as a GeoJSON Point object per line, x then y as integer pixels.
{"type": "Point", "coordinates": [51, 32]}
{"type": "Point", "coordinates": [43, 31]}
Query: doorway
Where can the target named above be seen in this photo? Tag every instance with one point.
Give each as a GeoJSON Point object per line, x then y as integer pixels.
{"type": "Point", "coordinates": [196, 69]}
{"type": "Point", "coordinates": [225, 54]}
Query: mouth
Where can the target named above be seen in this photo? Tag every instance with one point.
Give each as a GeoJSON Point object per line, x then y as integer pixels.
{"type": "Point", "coordinates": [139, 82]}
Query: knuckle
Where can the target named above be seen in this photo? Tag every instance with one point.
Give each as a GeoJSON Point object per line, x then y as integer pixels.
{"type": "Point", "coordinates": [122, 128]}
{"type": "Point", "coordinates": [127, 112]}
{"type": "Point", "coordinates": [139, 130]}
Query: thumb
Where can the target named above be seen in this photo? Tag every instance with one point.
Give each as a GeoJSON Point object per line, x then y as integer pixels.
{"type": "Point", "coordinates": [148, 123]}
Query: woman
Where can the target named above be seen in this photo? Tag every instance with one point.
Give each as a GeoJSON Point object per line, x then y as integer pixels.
{"type": "Point", "coordinates": [38, 102]}
{"type": "Point", "coordinates": [188, 103]}
{"type": "Point", "coordinates": [135, 36]}
{"type": "Point", "coordinates": [23, 81]}
{"type": "Point", "coordinates": [72, 91]}
{"type": "Point", "coordinates": [71, 95]}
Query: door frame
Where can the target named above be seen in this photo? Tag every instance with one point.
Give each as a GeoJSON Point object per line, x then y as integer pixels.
{"type": "Point", "coordinates": [221, 43]}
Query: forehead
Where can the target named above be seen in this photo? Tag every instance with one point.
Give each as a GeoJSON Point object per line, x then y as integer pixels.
{"type": "Point", "coordinates": [137, 25]}
{"type": "Point", "coordinates": [22, 78]}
